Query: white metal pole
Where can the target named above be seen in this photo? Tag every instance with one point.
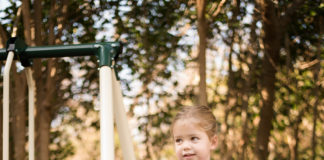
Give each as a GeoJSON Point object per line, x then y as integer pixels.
{"type": "Point", "coordinates": [106, 114]}
{"type": "Point", "coordinates": [5, 131]}
{"type": "Point", "coordinates": [122, 122]}
{"type": "Point", "coordinates": [31, 104]}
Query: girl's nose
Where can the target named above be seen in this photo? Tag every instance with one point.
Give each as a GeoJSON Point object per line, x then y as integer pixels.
{"type": "Point", "coordinates": [186, 145]}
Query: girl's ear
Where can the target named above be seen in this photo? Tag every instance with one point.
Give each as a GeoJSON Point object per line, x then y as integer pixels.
{"type": "Point", "coordinates": [213, 141]}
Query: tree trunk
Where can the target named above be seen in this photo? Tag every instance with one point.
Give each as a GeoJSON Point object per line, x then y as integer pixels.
{"type": "Point", "coordinates": [43, 133]}
{"type": "Point", "coordinates": [202, 32]}
{"type": "Point", "coordinates": [227, 148]}
{"type": "Point", "coordinates": [44, 92]}
{"type": "Point", "coordinates": [251, 61]}
{"type": "Point", "coordinates": [19, 114]}
{"type": "Point", "coordinates": [37, 67]}
{"type": "Point", "coordinates": [27, 21]}
{"type": "Point", "coordinates": [296, 138]}
{"type": "Point", "coordinates": [3, 37]}
{"type": "Point", "coordinates": [317, 73]}
{"type": "Point", "coordinates": [48, 101]}
{"type": "Point", "coordinates": [274, 26]}
{"type": "Point", "coordinates": [271, 41]}
{"type": "Point", "coordinates": [38, 22]}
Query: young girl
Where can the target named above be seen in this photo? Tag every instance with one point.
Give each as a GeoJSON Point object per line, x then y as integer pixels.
{"type": "Point", "coordinates": [194, 133]}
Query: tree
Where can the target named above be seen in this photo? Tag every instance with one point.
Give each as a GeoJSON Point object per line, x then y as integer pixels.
{"type": "Point", "coordinates": [273, 31]}
{"type": "Point", "coordinates": [202, 32]}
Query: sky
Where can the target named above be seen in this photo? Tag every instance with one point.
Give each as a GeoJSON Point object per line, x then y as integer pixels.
{"type": "Point", "coordinates": [3, 5]}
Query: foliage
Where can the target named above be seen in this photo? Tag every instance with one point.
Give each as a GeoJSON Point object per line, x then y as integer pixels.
{"type": "Point", "coordinates": [158, 72]}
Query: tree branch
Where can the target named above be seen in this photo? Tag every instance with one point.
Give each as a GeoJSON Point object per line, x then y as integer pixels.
{"type": "Point", "coordinates": [15, 26]}
{"type": "Point", "coordinates": [219, 7]}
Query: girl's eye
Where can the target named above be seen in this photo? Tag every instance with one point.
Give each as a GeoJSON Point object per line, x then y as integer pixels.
{"type": "Point", "coordinates": [194, 138]}
{"type": "Point", "coordinates": [178, 140]}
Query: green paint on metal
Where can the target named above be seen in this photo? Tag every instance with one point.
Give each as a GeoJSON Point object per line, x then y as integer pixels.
{"type": "Point", "coordinates": [18, 46]}
{"type": "Point", "coordinates": [106, 52]}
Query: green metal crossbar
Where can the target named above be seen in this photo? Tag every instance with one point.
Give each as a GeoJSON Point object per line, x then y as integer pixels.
{"type": "Point", "coordinates": [23, 52]}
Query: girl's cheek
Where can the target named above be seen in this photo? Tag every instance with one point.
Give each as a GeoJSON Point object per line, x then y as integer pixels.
{"type": "Point", "coordinates": [177, 149]}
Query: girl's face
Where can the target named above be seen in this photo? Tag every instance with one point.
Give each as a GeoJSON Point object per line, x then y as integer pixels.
{"type": "Point", "coordinates": [191, 141]}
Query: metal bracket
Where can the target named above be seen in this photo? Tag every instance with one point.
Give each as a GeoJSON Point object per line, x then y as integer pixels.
{"type": "Point", "coordinates": [113, 50]}
{"type": "Point", "coordinates": [18, 46]}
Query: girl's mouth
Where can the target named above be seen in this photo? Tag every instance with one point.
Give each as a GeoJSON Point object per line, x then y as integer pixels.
{"type": "Point", "coordinates": [188, 155]}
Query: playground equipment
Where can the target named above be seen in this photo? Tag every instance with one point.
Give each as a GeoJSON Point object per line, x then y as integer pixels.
{"type": "Point", "coordinates": [111, 104]}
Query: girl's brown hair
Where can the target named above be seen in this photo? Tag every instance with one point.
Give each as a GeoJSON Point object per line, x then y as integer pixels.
{"type": "Point", "coordinates": [204, 116]}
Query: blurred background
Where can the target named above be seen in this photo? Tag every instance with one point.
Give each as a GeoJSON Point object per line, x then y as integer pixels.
{"type": "Point", "coordinates": [257, 63]}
